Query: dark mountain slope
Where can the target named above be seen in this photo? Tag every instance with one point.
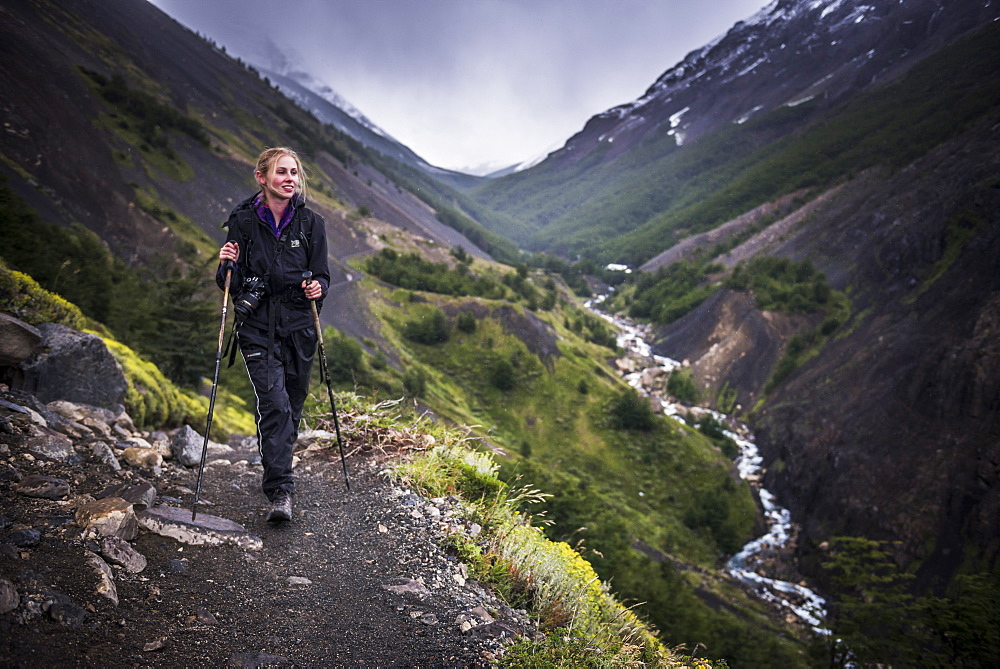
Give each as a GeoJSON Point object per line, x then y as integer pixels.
{"type": "Point", "coordinates": [96, 98]}
{"type": "Point", "coordinates": [891, 431]}
{"type": "Point", "coordinates": [914, 455]}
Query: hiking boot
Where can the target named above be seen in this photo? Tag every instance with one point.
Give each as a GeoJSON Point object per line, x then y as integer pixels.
{"type": "Point", "coordinates": [281, 508]}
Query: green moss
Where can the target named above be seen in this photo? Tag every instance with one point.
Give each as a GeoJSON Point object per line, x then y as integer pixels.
{"type": "Point", "coordinates": [961, 228]}
{"type": "Point", "coordinates": [551, 578]}
{"type": "Point", "coordinates": [233, 414]}
{"type": "Point", "coordinates": [151, 399]}
{"type": "Point", "coordinates": [23, 298]}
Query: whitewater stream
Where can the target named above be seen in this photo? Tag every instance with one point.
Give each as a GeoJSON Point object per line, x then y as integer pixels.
{"type": "Point", "coordinates": [802, 602]}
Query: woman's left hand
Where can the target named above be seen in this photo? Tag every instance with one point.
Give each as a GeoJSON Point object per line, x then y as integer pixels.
{"type": "Point", "coordinates": [312, 289]}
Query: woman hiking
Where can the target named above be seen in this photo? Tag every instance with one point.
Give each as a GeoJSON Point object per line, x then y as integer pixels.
{"type": "Point", "coordinates": [273, 240]}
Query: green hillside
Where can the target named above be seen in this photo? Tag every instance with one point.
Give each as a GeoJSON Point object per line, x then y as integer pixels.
{"type": "Point", "coordinates": [529, 377]}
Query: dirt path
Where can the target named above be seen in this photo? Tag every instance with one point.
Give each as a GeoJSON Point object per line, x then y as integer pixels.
{"type": "Point", "coordinates": [315, 595]}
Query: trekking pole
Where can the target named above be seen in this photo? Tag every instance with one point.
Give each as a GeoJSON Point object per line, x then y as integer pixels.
{"type": "Point", "coordinates": [324, 371]}
{"type": "Point", "coordinates": [215, 386]}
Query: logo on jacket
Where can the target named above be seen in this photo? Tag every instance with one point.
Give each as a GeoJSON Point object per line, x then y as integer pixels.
{"type": "Point", "coordinates": [296, 243]}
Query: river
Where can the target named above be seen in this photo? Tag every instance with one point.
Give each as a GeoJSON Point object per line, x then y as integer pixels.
{"type": "Point", "coordinates": [641, 366]}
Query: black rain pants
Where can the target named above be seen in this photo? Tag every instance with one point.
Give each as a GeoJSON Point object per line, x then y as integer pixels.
{"type": "Point", "coordinates": [280, 396]}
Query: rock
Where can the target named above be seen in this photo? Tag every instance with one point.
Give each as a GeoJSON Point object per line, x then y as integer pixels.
{"type": "Point", "coordinates": [124, 422]}
{"type": "Point", "coordinates": [493, 630]}
{"type": "Point", "coordinates": [305, 437]}
{"type": "Point", "coordinates": [298, 580]}
{"type": "Point", "coordinates": [481, 613]}
{"type": "Point", "coordinates": [97, 427]}
{"type": "Point", "coordinates": [109, 517]}
{"type": "Point", "coordinates": [12, 409]}
{"type": "Point", "coordinates": [138, 442]}
{"type": "Point", "coordinates": [118, 551]}
{"type": "Point", "coordinates": [18, 340]}
{"type": "Point", "coordinates": [106, 584]}
{"type": "Point", "coordinates": [24, 538]}
{"type": "Point", "coordinates": [103, 454]}
{"type": "Point", "coordinates": [160, 442]}
{"type": "Point", "coordinates": [50, 444]}
{"type": "Point", "coordinates": [74, 366]}
{"type": "Point", "coordinates": [187, 446]}
{"type": "Point", "coordinates": [408, 588]}
{"type": "Point", "coordinates": [67, 614]}
{"type": "Point", "coordinates": [204, 616]}
{"type": "Point", "coordinates": [143, 458]}
{"type": "Point", "coordinates": [207, 530]}
{"type": "Point", "coordinates": [9, 599]}
{"type": "Point", "coordinates": [95, 417]}
{"type": "Point", "coordinates": [140, 495]}
{"type": "Point", "coordinates": [155, 644]}
{"type": "Point", "coordinates": [46, 487]}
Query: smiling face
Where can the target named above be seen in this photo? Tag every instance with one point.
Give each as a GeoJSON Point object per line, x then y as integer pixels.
{"type": "Point", "coordinates": [282, 180]}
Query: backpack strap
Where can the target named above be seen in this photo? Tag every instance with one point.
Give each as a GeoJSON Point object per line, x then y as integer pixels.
{"type": "Point", "coordinates": [243, 223]}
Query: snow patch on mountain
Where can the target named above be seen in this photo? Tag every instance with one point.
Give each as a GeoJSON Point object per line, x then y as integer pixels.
{"type": "Point", "coordinates": [324, 91]}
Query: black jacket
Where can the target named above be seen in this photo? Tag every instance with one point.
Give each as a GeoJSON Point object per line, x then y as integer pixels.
{"type": "Point", "coordinates": [284, 307]}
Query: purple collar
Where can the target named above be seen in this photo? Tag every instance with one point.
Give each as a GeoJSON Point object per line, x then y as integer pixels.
{"type": "Point", "coordinates": [264, 213]}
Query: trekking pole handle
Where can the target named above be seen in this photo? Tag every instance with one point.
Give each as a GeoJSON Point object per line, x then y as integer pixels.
{"type": "Point", "coordinates": [306, 276]}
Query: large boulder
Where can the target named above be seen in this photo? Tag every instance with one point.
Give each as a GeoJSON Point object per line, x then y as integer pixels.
{"type": "Point", "coordinates": [74, 366]}
{"type": "Point", "coordinates": [18, 340]}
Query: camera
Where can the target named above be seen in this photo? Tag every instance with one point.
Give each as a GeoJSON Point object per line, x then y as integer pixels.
{"type": "Point", "coordinates": [249, 299]}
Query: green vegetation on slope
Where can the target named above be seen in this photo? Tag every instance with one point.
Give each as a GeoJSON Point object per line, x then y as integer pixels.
{"type": "Point", "coordinates": [875, 620]}
{"type": "Point", "coordinates": [671, 292]}
{"type": "Point", "coordinates": [570, 427]}
{"type": "Point", "coordinates": [412, 272]}
{"type": "Point", "coordinates": [776, 284]}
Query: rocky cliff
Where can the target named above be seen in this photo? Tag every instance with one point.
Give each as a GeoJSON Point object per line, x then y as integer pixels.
{"type": "Point", "coordinates": [891, 431]}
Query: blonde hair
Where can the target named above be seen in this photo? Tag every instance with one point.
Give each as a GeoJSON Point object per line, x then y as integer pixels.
{"type": "Point", "coordinates": [268, 158]}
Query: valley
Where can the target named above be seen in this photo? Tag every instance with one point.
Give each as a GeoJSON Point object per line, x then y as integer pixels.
{"type": "Point", "coordinates": [817, 256]}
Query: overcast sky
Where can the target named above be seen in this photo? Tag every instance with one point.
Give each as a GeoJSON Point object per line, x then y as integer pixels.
{"type": "Point", "coordinates": [471, 85]}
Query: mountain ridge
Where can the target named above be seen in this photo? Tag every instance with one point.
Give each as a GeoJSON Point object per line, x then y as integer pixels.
{"type": "Point", "coordinates": [620, 173]}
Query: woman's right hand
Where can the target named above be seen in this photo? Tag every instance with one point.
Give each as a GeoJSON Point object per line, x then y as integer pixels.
{"type": "Point", "coordinates": [231, 251]}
